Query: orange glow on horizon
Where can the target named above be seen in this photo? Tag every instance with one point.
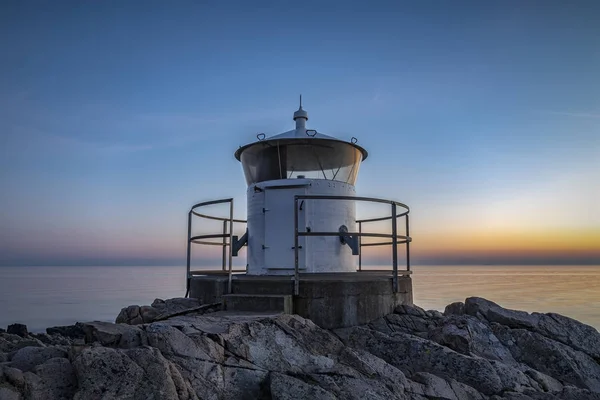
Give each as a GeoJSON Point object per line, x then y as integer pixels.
{"type": "Point", "coordinates": [481, 244]}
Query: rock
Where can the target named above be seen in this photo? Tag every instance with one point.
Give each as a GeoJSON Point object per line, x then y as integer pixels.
{"type": "Point", "coordinates": [554, 326]}
{"type": "Point", "coordinates": [159, 303]}
{"type": "Point", "coordinates": [14, 376]}
{"type": "Point", "coordinates": [434, 386]}
{"type": "Point", "coordinates": [568, 331]}
{"type": "Point", "coordinates": [572, 393]}
{"type": "Point", "coordinates": [2, 330]}
{"type": "Point", "coordinates": [148, 313]}
{"type": "Point", "coordinates": [468, 335]}
{"type": "Point", "coordinates": [286, 343]}
{"type": "Point", "coordinates": [161, 309]}
{"type": "Point", "coordinates": [130, 315]}
{"type": "Point", "coordinates": [27, 358]}
{"type": "Point", "coordinates": [70, 331]}
{"type": "Point", "coordinates": [171, 306]}
{"type": "Point", "coordinates": [482, 308]}
{"type": "Point", "coordinates": [409, 323]}
{"type": "Point", "coordinates": [355, 388]}
{"type": "Point", "coordinates": [9, 393]}
{"type": "Point", "coordinates": [17, 329]}
{"type": "Point", "coordinates": [410, 310]}
{"type": "Point", "coordinates": [54, 379]}
{"type": "Point", "coordinates": [182, 350]}
{"type": "Point", "coordinates": [113, 335]}
{"type": "Point", "coordinates": [285, 387]}
{"type": "Point", "coordinates": [10, 343]}
{"type": "Point", "coordinates": [411, 354]}
{"type": "Point", "coordinates": [435, 314]}
{"type": "Point", "coordinates": [546, 383]}
{"type": "Point", "coordinates": [172, 342]}
{"type": "Point", "coordinates": [551, 357]}
{"type": "Point", "coordinates": [465, 392]}
{"type": "Point", "coordinates": [457, 308]}
{"type": "Point", "coordinates": [113, 373]}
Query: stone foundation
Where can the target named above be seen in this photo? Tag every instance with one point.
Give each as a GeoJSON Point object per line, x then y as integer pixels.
{"type": "Point", "coordinates": [329, 300]}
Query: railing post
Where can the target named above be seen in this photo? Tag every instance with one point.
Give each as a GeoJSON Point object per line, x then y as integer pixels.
{"type": "Point", "coordinates": [224, 256]}
{"type": "Point", "coordinates": [394, 249]}
{"type": "Point", "coordinates": [296, 274]}
{"type": "Point", "coordinates": [359, 246]}
{"type": "Point", "coordinates": [187, 270]}
{"type": "Point", "coordinates": [407, 244]}
{"type": "Point", "coordinates": [229, 286]}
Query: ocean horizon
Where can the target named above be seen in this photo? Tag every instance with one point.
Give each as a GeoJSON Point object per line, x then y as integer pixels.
{"type": "Point", "coordinates": [44, 296]}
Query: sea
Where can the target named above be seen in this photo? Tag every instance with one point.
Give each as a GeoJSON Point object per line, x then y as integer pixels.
{"type": "Point", "coordinates": [41, 297]}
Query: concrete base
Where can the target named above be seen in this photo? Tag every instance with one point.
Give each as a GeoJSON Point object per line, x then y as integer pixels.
{"type": "Point", "coordinates": [329, 300]}
{"type": "Point", "coordinates": [259, 303]}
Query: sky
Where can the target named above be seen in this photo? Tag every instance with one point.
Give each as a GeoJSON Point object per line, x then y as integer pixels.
{"type": "Point", "coordinates": [116, 117]}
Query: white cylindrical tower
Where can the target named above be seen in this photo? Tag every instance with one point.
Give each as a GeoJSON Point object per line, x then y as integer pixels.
{"type": "Point", "coordinates": [299, 162]}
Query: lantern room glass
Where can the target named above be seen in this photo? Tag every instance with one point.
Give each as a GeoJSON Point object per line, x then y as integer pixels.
{"type": "Point", "coordinates": [297, 158]}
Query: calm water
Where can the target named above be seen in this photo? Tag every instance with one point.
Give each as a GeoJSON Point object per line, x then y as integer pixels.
{"type": "Point", "coordinates": [48, 296]}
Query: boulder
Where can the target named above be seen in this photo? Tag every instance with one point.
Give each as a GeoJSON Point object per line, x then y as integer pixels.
{"type": "Point", "coordinates": [172, 306]}
{"type": "Point", "coordinates": [130, 315]}
{"type": "Point", "coordinates": [468, 335]}
{"type": "Point", "coordinates": [148, 314]}
{"type": "Point", "coordinates": [113, 335]}
{"type": "Point", "coordinates": [70, 331]}
{"type": "Point", "coordinates": [553, 326]}
{"type": "Point", "coordinates": [9, 393]}
{"type": "Point", "coordinates": [551, 357]}
{"type": "Point", "coordinates": [27, 358]}
{"type": "Point", "coordinates": [17, 329]}
{"type": "Point", "coordinates": [412, 354]}
{"type": "Point", "coordinates": [457, 308]}
{"type": "Point", "coordinates": [14, 376]}
{"type": "Point", "coordinates": [54, 379]}
{"type": "Point", "coordinates": [10, 343]}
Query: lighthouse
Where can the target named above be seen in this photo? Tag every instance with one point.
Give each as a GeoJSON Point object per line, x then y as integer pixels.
{"type": "Point", "coordinates": [300, 162]}
{"type": "Point", "coordinates": [303, 238]}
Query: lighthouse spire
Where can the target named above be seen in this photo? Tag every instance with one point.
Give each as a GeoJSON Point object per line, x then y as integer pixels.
{"type": "Point", "coordinates": [300, 117]}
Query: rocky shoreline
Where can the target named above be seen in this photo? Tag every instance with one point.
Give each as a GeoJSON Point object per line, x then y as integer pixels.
{"type": "Point", "coordinates": [179, 349]}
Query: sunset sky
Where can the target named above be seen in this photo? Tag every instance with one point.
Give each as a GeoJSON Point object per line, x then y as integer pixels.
{"type": "Point", "coordinates": [116, 117]}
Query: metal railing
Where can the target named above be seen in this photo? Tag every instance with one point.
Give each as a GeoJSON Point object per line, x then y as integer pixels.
{"type": "Point", "coordinates": [226, 236]}
{"type": "Point", "coordinates": [404, 239]}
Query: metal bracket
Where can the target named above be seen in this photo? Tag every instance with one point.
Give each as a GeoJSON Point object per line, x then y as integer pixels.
{"type": "Point", "coordinates": [351, 241]}
{"type": "Point", "coordinates": [237, 244]}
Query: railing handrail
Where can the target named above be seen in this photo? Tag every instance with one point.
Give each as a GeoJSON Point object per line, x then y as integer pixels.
{"type": "Point", "coordinates": [405, 239]}
{"type": "Point", "coordinates": [225, 243]}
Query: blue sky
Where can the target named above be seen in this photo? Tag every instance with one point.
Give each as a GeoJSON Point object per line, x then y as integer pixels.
{"type": "Point", "coordinates": [115, 117]}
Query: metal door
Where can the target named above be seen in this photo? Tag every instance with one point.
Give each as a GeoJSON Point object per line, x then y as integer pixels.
{"type": "Point", "coordinates": [279, 228]}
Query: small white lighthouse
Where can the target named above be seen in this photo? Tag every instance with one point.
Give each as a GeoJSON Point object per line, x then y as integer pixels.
{"type": "Point", "coordinates": [302, 235]}
{"type": "Point", "coordinates": [299, 162]}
